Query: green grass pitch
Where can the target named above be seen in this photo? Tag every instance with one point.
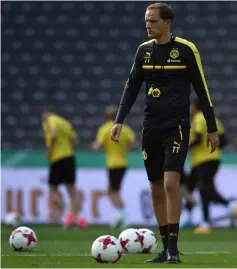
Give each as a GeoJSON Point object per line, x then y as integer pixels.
{"type": "Point", "coordinates": [71, 249]}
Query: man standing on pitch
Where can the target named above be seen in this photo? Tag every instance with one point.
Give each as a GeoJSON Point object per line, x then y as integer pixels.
{"type": "Point", "coordinates": [168, 65]}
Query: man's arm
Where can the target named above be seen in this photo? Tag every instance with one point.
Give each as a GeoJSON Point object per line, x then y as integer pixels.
{"type": "Point", "coordinates": [223, 141]}
{"type": "Point", "coordinates": [198, 129]}
{"type": "Point", "coordinates": [198, 138]}
{"type": "Point", "coordinates": [96, 146]}
{"type": "Point", "coordinates": [221, 130]}
{"type": "Point", "coordinates": [75, 141]}
{"type": "Point", "coordinates": [53, 136]}
{"type": "Point", "coordinates": [73, 137]}
{"type": "Point", "coordinates": [196, 141]}
{"type": "Point", "coordinates": [198, 80]}
{"type": "Point", "coordinates": [99, 141]}
{"type": "Point", "coordinates": [131, 89]}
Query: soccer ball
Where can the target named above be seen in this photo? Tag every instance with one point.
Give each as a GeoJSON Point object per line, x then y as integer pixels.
{"type": "Point", "coordinates": [131, 240]}
{"type": "Point", "coordinates": [23, 239]}
{"type": "Point", "coordinates": [106, 249]}
{"type": "Point", "coordinates": [12, 219]}
{"type": "Point", "coordinates": [150, 240]}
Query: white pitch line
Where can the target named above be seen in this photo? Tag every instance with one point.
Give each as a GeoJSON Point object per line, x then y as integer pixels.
{"type": "Point", "coordinates": [44, 255]}
{"type": "Point", "coordinates": [88, 255]}
{"type": "Point", "coordinates": [207, 252]}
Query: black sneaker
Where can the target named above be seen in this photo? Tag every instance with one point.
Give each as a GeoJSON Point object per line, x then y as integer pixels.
{"type": "Point", "coordinates": [160, 258]}
{"type": "Point", "coordinates": [173, 259]}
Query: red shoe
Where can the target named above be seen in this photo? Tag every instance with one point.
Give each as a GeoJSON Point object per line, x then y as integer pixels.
{"type": "Point", "coordinates": [69, 220]}
{"type": "Point", "coordinates": [82, 223]}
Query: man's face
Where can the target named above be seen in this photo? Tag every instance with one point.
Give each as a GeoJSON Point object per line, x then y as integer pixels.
{"type": "Point", "coordinates": [44, 116]}
{"type": "Point", "coordinates": [155, 26]}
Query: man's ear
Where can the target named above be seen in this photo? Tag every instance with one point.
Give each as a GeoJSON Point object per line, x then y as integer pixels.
{"type": "Point", "coordinates": [168, 22]}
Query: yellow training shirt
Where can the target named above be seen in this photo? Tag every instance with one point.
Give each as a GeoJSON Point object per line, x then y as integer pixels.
{"type": "Point", "coordinates": [64, 135]}
{"type": "Point", "coordinates": [200, 153]}
{"type": "Point", "coordinates": [116, 153]}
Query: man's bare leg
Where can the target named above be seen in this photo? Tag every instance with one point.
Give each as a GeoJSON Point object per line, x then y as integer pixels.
{"type": "Point", "coordinates": [56, 204]}
{"type": "Point", "coordinates": [160, 209]}
{"type": "Point", "coordinates": [172, 189]}
{"type": "Point", "coordinates": [115, 198]}
{"type": "Point", "coordinates": [73, 199]}
{"type": "Point", "coordinates": [118, 203]}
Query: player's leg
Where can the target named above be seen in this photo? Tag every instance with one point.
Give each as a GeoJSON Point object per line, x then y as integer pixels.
{"type": "Point", "coordinates": [207, 172]}
{"type": "Point", "coordinates": [172, 189]}
{"type": "Point", "coordinates": [159, 203]}
{"type": "Point", "coordinates": [206, 175]}
{"type": "Point", "coordinates": [217, 198]}
{"type": "Point", "coordinates": [115, 179]}
{"type": "Point", "coordinates": [153, 159]}
{"type": "Point", "coordinates": [176, 147]}
{"type": "Point", "coordinates": [56, 204]}
{"type": "Point", "coordinates": [72, 217]}
{"type": "Point", "coordinates": [187, 195]}
{"type": "Point", "coordinates": [69, 175]}
{"type": "Point", "coordinates": [188, 184]}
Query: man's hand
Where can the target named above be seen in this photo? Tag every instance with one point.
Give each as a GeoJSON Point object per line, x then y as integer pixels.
{"type": "Point", "coordinates": [115, 132]}
{"type": "Point", "coordinates": [95, 146]}
{"type": "Point", "coordinates": [213, 140]}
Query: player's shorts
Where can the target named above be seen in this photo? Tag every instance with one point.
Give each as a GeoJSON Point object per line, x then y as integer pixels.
{"type": "Point", "coordinates": [164, 150]}
{"type": "Point", "coordinates": [200, 175]}
{"type": "Point", "coordinates": [63, 171]}
{"type": "Point", "coordinates": [206, 172]}
{"type": "Point", "coordinates": [116, 177]}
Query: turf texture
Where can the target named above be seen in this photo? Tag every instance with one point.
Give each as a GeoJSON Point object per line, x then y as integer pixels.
{"type": "Point", "coordinates": [57, 248]}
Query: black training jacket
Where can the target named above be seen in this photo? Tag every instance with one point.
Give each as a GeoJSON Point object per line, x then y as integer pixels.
{"type": "Point", "coordinates": [168, 71]}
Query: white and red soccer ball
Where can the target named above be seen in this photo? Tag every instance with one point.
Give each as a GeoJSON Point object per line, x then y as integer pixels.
{"type": "Point", "coordinates": [23, 239]}
{"type": "Point", "coordinates": [149, 242]}
{"type": "Point", "coordinates": [106, 249]}
{"type": "Point", "coordinates": [132, 241]}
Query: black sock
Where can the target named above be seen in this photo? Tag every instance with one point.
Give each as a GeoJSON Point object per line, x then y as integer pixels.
{"type": "Point", "coordinates": [206, 210]}
{"type": "Point", "coordinates": [173, 238]}
{"type": "Point", "coordinates": [205, 205]}
{"type": "Point", "coordinates": [164, 235]}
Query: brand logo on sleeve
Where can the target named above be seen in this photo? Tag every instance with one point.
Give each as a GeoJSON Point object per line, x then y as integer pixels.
{"type": "Point", "coordinates": [147, 57]}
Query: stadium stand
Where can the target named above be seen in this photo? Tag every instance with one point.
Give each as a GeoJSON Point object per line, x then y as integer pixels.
{"type": "Point", "coordinates": [77, 56]}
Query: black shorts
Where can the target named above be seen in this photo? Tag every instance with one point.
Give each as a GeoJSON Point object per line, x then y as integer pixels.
{"type": "Point", "coordinates": [164, 150]}
{"type": "Point", "coordinates": [116, 177]}
{"type": "Point", "coordinates": [63, 171]}
{"type": "Point", "coordinates": [206, 172]}
{"type": "Point", "coordinates": [201, 175]}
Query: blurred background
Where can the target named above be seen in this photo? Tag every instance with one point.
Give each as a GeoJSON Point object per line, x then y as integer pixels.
{"type": "Point", "coordinates": [77, 57]}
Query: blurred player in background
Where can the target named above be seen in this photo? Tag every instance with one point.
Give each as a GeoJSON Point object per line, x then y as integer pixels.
{"type": "Point", "coordinates": [186, 193]}
{"type": "Point", "coordinates": [116, 160]}
{"type": "Point", "coordinates": [60, 140]}
{"type": "Point", "coordinates": [205, 166]}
